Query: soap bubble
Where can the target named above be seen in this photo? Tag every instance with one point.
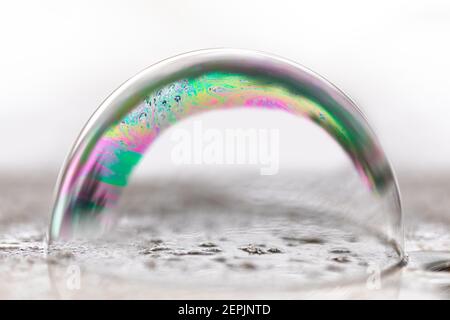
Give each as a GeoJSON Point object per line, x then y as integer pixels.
{"type": "Point", "coordinates": [120, 132]}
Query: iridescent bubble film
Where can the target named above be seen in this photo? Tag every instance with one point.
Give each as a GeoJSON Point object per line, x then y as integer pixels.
{"type": "Point", "coordinates": [124, 127]}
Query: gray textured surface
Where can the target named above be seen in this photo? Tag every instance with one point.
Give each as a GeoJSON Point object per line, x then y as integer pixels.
{"type": "Point", "coordinates": [222, 236]}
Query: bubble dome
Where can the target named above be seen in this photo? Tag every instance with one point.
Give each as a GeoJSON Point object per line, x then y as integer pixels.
{"type": "Point", "coordinates": [121, 130]}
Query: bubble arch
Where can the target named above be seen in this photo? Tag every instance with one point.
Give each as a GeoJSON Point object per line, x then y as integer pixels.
{"type": "Point", "coordinates": [120, 131]}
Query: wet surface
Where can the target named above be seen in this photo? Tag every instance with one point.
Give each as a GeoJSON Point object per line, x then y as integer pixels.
{"type": "Point", "coordinates": [208, 240]}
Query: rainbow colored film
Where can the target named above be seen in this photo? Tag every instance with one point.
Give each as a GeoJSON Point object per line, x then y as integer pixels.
{"type": "Point", "coordinates": [100, 167]}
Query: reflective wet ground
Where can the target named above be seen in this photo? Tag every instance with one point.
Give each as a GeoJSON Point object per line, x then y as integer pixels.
{"type": "Point", "coordinates": [225, 236]}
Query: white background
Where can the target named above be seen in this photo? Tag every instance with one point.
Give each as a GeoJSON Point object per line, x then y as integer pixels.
{"type": "Point", "coordinates": [60, 59]}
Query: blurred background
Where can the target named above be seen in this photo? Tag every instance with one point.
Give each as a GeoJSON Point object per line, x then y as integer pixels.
{"type": "Point", "coordinates": [60, 59]}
